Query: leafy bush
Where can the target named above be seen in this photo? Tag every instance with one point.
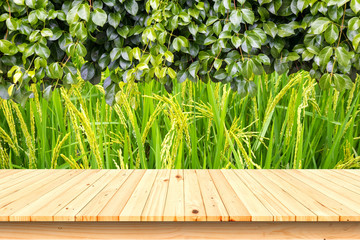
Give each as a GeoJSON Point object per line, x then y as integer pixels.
{"type": "Point", "coordinates": [48, 42]}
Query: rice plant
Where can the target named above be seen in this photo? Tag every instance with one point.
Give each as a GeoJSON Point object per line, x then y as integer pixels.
{"type": "Point", "coordinates": [288, 123]}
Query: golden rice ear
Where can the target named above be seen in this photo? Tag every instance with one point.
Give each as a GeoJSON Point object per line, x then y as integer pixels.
{"type": "Point", "coordinates": [56, 150]}
{"type": "Point", "coordinates": [4, 158]}
{"type": "Point", "coordinates": [85, 122]}
{"type": "Point", "coordinates": [28, 139]}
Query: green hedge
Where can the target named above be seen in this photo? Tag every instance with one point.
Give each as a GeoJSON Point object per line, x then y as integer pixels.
{"type": "Point", "coordinates": [51, 41]}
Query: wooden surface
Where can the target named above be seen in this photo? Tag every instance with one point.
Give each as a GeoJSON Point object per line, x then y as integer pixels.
{"type": "Point", "coordinates": [180, 195]}
{"type": "Point", "coordinates": [180, 230]}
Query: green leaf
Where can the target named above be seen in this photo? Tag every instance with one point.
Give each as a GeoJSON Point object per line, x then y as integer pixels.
{"type": "Point", "coordinates": [99, 17]}
{"type": "Point", "coordinates": [171, 72]}
{"type": "Point", "coordinates": [339, 82]}
{"type": "Point", "coordinates": [42, 50]}
{"type": "Point", "coordinates": [227, 4]}
{"type": "Point", "coordinates": [325, 55]}
{"type": "Point", "coordinates": [342, 56]}
{"type": "Point", "coordinates": [5, 46]}
{"type": "Point", "coordinates": [72, 16]}
{"type": "Point", "coordinates": [235, 17]}
{"type": "Point", "coordinates": [19, 2]}
{"type": "Point", "coordinates": [356, 41]}
{"type": "Point", "coordinates": [81, 31]}
{"type": "Point", "coordinates": [355, 5]}
{"type": "Point", "coordinates": [84, 12]}
{"type": "Point", "coordinates": [136, 53]}
{"type": "Point", "coordinates": [354, 24]}
{"type": "Point", "coordinates": [87, 71]}
{"type": "Point", "coordinates": [236, 41]}
{"type": "Point", "coordinates": [12, 24]}
{"type": "Point", "coordinates": [181, 76]}
{"type": "Point", "coordinates": [248, 15]}
{"type": "Point", "coordinates": [270, 28]}
{"type": "Point", "coordinates": [319, 25]}
{"type": "Point", "coordinates": [169, 56]}
{"type": "Point", "coordinates": [114, 19]}
{"type": "Point", "coordinates": [325, 81]}
{"type": "Point", "coordinates": [220, 74]}
{"type": "Point", "coordinates": [331, 34]}
{"type": "Point", "coordinates": [81, 50]}
{"type": "Point", "coordinates": [217, 27]}
{"type": "Point", "coordinates": [55, 70]}
{"type": "Point", "coordinates": [46, 32]}
{"type": "Point", "coordinates": [131, 7]}
{"type": "Point", "coordinates": [194, 68]}
{"type": "Point", "coordinates": [115, 54]}
{"type": "Point", "coordinates": [225, 34]}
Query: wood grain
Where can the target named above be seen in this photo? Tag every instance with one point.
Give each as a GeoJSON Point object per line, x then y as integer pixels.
{"type": "Point", "coordinates": [180, 195]}
{"type": "Point", "coordinates": [181, 230]}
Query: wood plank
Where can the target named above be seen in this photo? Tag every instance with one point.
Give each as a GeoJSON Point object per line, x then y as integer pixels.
{"type": "Point", "coordinates": [43, 208]}
{"type": "Point", "coordinates": [343, 211]}
{"type": "Point", "coordinates": [276, 207]}
{"type": "Point", "coordinates": [181, 230]}
{"type": "Point", "coordinates": [307, 195]}
{"type": "Point", "coordinates": [155, 204]}
{"type": "Point", "coordinates": [136, 203]}
{"type": "Point", "coordinates": [93, 208]}
{"type": "Point", "coordinates": [351, 175]}
{"type": "Point", "coordinates": [301, 212]}
{"type": "Point", "coordinates": [69, 211]}
{"type": "Point", "coordinates": [4, 172]}
{"type": "Point", "coordinates": [174, 209]}
{"type": "Point", "coordinates": [339, 194]}
{"type": "Point", "coordinates": [235, 207]}
{"type": "Point", "coordinates": [20, 182]}
{"type": "Point", "coordinates": [256, 209]}
{"type": "Point", "coordinates": [113, 208]}
{"type": "Point", "coordinates": [180, 195]}
{"type": "Point", "coordinates": [18, 200]}
{"type": "Point", "coordinates": [11, 179]}
{"type": "Point", "coordinates": [353, 171]}
{"type": "Point", "coordinates": [194, 205]}
{"type": "Point", "coordinates": [338, 179]}
{"type": "Point", "coordinates": [214, 207]}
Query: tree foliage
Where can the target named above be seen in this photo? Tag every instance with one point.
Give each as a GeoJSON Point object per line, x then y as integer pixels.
{"type": "Point", "coordinates": [52, 41]}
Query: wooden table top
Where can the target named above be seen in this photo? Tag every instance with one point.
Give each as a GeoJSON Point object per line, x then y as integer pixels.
{"type": "Point", "coordinates": [180, 195]}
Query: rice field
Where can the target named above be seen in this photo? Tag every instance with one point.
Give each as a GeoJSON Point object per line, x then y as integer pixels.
{"type": "Point", "coordinates": [288, 123]}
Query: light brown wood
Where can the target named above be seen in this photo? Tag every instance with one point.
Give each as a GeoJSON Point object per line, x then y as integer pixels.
{"type": "Point", "coordinates": [4, 173]}
{"type": "Point", "coordinates": [69, 211]}
{"type": "Point", "coordinates": [302, 213]}
{"type": "Point", "coordinates": [235, 207]}
{"type": "Point", "coordinates": [345, 213]}
{"type": "Point", "coordinates": [308, 197]}
{"type": "Point", "coordinates": [49, 203]}
{"type": "Point", "coordinates": [10, 175]}
{"type": "Point", "coordinates": [93, 208]}
{"type": "Point", "coordinates": [214, 207]}
{"type": "Point", "coordinates": [256, 208]}
{"type": "Point", "coordinates": [341, 180]}
{"type": "Point", "coordinates": [21, 182]}
{"type": "Point", "coordinates": [174, 209]}
{"type": "Point", "coordinates": [113, 208]}
{"type": "Point", "coordinates": [155, 204]}
{"type": "Point", "coordinates": [194, 205]}
{"type": "Point", "coordinates": [23, 197]}
{"type": "Point", "coordinates": [277, 208]}
{"type": "Point", "coordinates": [181, 230]}
{"type": "Point", "coordinates": [179, 195]}
{"type": "Point", "coordinates": [338, 193]}
{"type": "Point", "coordinates": [135, 206]}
